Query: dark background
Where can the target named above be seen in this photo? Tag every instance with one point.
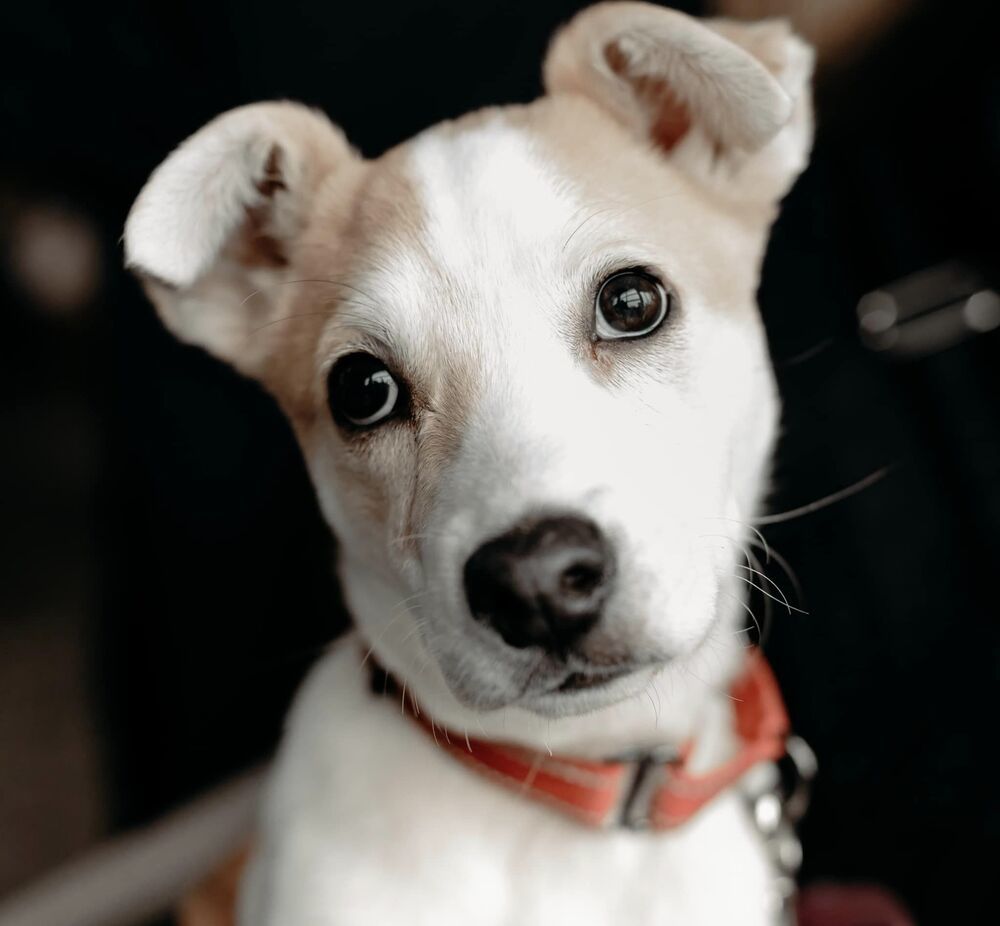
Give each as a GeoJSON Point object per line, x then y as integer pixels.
{"type": "Point", "coordinates": [164, 574]}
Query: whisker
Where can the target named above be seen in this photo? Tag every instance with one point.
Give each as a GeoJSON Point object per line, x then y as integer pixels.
{"type": "Point", "coordinates": [746, 608]}
{"type": "Point", "coordinates": [687, 671]}
{"type": "Point", "coordinates": [739, 546]}
{"type": "Point", "coordinates": [774, 585]}
{"type": "Point", "coordinates": [652, 704]}
{"type": "Point", "coordinates": [379, 638]}
{"type": "Point", "coordinates": [288, 318]}
{"type": "Point", "coordinates": [826, 500]}
{"type": "Point", "coordinates": [405, 601]}
{"type": "Point", "coordinates": [807, 354]}
{"type": "Point", "coordinates": [656, 691]}
{"type": "Point", "coordinates": [586, 221]}
{"type": "Point", "coordinates": [787, 569]}
{"type": "Point", "coordinates": [749, 527]}
{"type": "Point", "coordinates": [371, 305]}
{"type": "Point", "coordinates": [624, 209]}
{"type": "Point", "coordinates": [765, 592]}
{"type": "Point", "coordinates": [404, 538]}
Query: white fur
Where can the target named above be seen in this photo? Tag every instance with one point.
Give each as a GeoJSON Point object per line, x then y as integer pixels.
{"type": "Point", "coordinates": [731, 95]}
{"type": "Point", "coordinates": [483, 855]}
{"type": "Point", "coordinates": [368, 823]}
{"type": "Point", "coordinates": [199, 196]}
{"type": "Point", "coordinates": [181, 224]}
{"type": "Point", "coordinates": [483, 294]}
{"type": "Point", "coordinates": [530, 440]}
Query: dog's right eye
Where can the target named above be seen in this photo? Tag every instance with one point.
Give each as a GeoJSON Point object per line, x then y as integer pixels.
{"type": "Point", "coordinates": [362, 392]}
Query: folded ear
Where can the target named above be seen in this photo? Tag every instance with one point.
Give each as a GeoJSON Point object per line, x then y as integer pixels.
{"type": "Point", "coordinates": [727, 101]}
{"type": "Point", "coordinates": [217, 224]}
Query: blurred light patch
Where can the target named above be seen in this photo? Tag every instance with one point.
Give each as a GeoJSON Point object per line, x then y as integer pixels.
{"type": "Point", "coordinates": [838, 29]}
{"type": "Point", "coordinates": [54, 255]}
{"type": "Point", "coordinates": [982, 311]}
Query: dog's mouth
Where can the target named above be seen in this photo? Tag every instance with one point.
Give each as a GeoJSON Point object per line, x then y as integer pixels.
{"type": "Point", "coordinates": [586, 681]}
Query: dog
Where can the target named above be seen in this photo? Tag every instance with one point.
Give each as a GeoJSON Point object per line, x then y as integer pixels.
{"type": "Point", "coordinates": [522, 356]}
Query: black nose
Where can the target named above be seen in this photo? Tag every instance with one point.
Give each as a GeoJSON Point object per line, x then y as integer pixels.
{"type": "Point", "coordinates": [542, 583]}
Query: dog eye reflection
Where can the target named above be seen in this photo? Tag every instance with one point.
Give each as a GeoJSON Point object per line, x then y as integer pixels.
{"type": "Point", "coordinates": [629, 305]}
{"type": "Point", "coordinates": [362, 392]}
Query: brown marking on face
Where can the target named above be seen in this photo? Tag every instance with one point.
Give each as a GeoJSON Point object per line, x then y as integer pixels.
{"type": "Point", "coordinates": [682, 220]}
{"type": "Point", "coordinates": [366, 218]}
{"type": "Point", "coordinates": [316, 262]}
{"type": "Point", "coordinates": [359, 220]}
{"type": "Point", "coordinates": [389, 222]}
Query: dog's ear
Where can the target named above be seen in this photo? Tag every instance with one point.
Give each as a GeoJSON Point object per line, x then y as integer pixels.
{"type": "Point", "coordinates": [216, 227]}
{"type": "Point", "coordinates": [728, 102]}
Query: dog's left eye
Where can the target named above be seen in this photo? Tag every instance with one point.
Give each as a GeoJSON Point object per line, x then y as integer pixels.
{"type": "Point", "coordinates": [361, 391]}
{"type": "Point", "coordinates": [629, 305]}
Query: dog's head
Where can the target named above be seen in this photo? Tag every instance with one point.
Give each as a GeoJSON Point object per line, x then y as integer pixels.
{"type": "Point", "coordinates": [521, 351]}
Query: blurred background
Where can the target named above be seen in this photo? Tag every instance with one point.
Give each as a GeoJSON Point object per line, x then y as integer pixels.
{"type": "Point", "coordinates": [165, 578]}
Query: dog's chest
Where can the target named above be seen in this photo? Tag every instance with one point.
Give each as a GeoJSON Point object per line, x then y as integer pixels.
{"type": "Point", "coordinates": [538, 871]}
{"type": "Point", "coordinates": [367, 823]}
{"type": "Point", "coordinates": [527, 875]}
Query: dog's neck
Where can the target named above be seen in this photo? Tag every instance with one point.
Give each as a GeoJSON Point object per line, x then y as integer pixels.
{"type": "Point", "coordinates": [685, 700]}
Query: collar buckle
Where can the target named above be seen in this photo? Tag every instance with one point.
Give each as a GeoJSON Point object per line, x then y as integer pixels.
{"type": "Point", "coordinates": [651, 768]}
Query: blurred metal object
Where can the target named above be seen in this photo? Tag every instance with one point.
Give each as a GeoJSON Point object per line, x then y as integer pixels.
{"type": "Point", "coordinates": [778, 796]}
{"type": "Point", "coordinates": [928, 312]}
{"type": "Point", "coordinates": [803, 767]}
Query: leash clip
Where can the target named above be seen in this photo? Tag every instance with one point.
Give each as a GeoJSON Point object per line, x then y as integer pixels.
{"type": "Point", "coordinates": [778, 799]}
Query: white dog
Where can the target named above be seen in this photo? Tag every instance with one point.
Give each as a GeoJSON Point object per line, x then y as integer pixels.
{"type": "Point", "coordinates": [522, 355]}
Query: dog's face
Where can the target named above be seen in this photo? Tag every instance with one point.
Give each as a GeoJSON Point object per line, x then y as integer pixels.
{"type": "Point", "coordinates": [521, 352]}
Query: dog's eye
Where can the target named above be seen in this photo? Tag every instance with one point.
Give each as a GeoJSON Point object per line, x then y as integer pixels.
{"type": "Point", "coordinates": [361, 391]}
{"type": "Point", "coordinates": [629, 305]}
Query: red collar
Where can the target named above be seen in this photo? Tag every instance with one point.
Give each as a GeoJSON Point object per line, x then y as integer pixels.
{"type": "Point", "coordinates": [648, 792]}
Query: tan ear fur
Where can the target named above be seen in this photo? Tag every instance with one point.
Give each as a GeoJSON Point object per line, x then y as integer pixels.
{"type": "Point", "coordinates": [727, 102]}
{"type": "Point", "coordinates": [215, 227]}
